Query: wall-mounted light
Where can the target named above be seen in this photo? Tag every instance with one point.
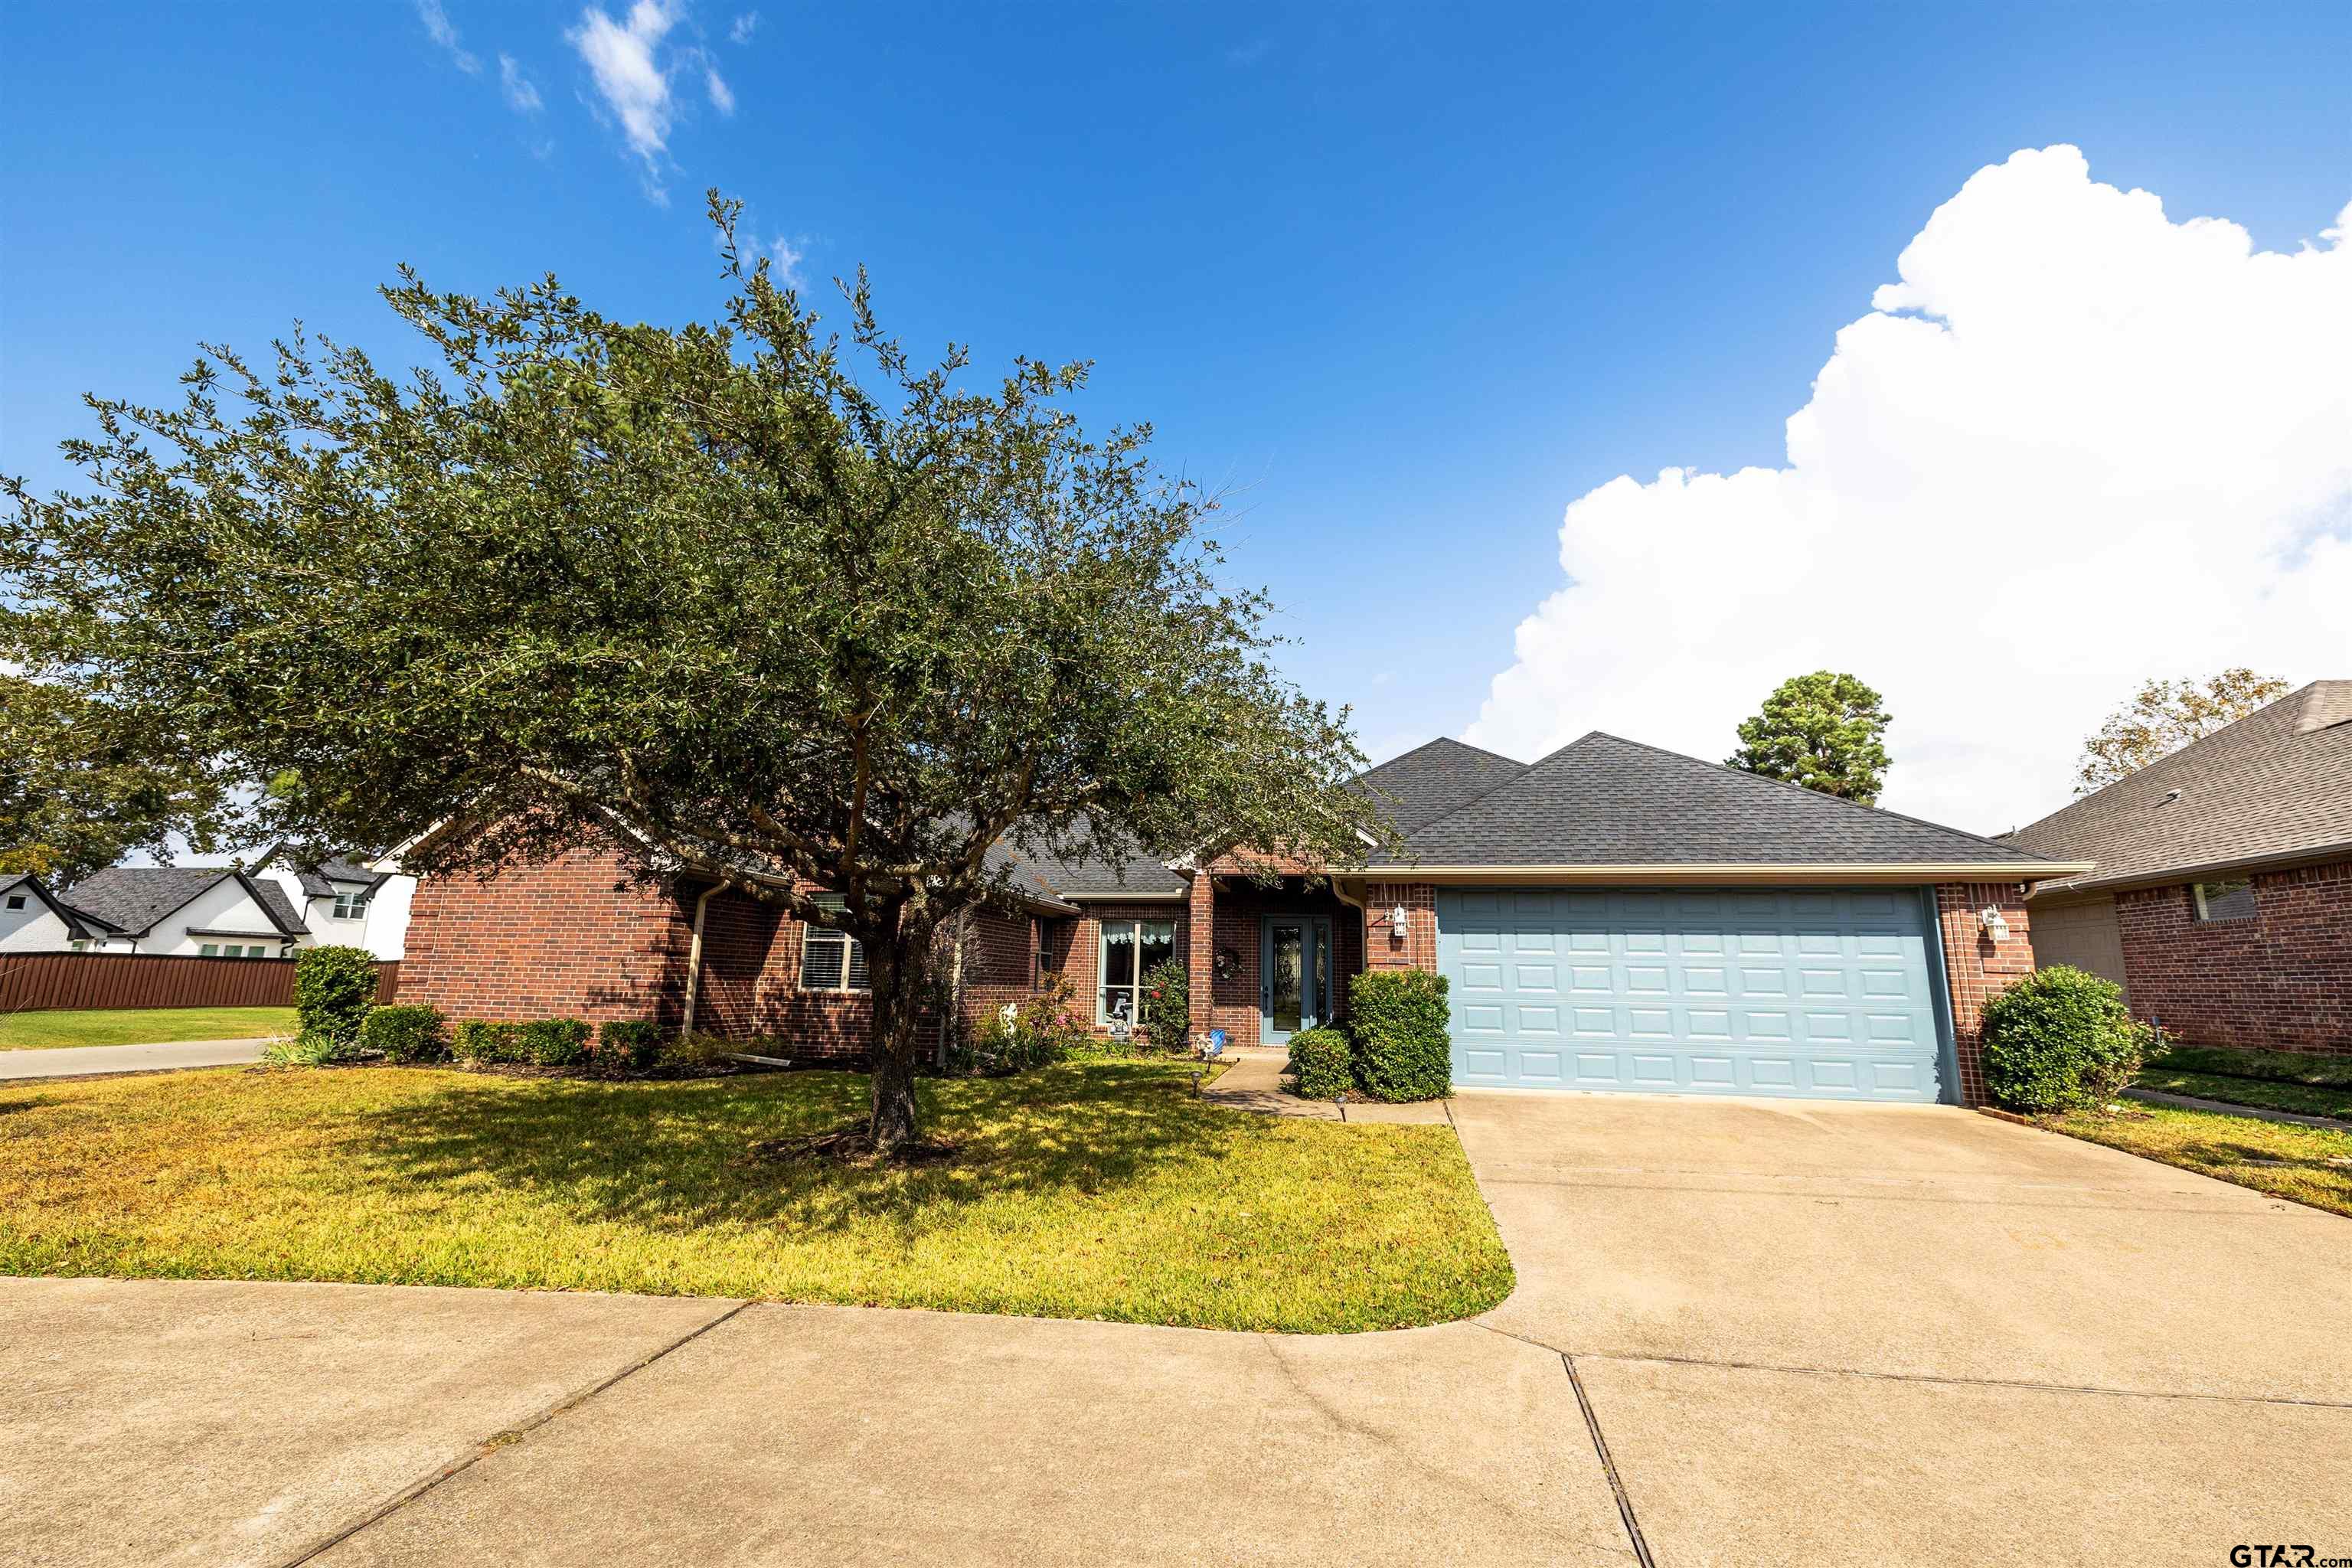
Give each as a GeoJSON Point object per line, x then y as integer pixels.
{"type": "Point", "coordinates": [1995, 924]}
{"type": "Point", "coordinates": [1399, 923]}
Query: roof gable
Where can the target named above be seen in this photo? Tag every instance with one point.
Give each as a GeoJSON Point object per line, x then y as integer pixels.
{"type": "Point", "coordinates": [133, 899]}
{"type": "Point", "coordinates": [1606, 801]}
{"type": "Point", "coordinates": [1431, 780]}
{"type": "Point", "coordinates": [2275, 785]}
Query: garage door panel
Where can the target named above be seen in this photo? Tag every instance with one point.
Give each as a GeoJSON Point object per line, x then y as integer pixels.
{"type": "Point", "coordinates": [1820, 992]}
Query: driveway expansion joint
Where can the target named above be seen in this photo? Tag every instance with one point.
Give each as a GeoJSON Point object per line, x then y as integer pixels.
{"type": "Point", "coordinates": [497, 1440]}
{"type": "Point", "coordinates": [1609, 1465]}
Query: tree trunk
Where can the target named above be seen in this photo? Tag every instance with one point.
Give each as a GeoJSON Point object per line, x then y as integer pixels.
{"type": "Point", "coordinates": [896, 971]}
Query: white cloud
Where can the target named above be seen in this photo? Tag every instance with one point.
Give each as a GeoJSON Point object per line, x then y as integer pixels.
{"type": "Point", "coordinates": [721, 98]}
{"type": "Point", "coordinates": [620, 56]}
{"type": "Point", "coordinates": [2077, 446]}
{"type": "Point", "coordinates": [789, 257]}
{"type": "Point", "coordinates": [439, 27]}
{"type": "Point", "coordinates": [745, 26]}
{"type": "Point", "coordinates": [521, 95]}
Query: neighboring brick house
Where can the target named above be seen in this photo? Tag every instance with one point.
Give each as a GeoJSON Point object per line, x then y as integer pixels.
{"type": "Point", "coordinates": [2222, 899]}
{"type": "Point", "coordinates": [1611, 916]}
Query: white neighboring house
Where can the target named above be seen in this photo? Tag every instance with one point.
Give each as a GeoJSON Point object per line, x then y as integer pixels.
{"type": "Point", "coordinates": [208, 911]}
{"type": "Point", "coordinates": [346, 901]}
{"type": "Point", "coordinates": [35, 920]}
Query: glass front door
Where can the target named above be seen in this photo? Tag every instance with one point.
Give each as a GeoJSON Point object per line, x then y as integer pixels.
{"type": "Point", "coordinates": [1294, 976]}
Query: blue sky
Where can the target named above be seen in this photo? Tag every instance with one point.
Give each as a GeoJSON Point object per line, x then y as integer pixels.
{"type": "Point", "coordinates": [1408, 280]}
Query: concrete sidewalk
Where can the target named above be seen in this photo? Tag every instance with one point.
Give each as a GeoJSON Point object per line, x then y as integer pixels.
{"type": "Point", "coordinates": [1253, 1082]}
{"type": "Point", "coordinates": [85, 1061]}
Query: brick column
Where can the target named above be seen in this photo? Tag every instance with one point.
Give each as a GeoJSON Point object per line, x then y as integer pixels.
{"type": "Point", "coordinates": [1417, 947]}
{"type": "Point", "coordinates": [1200, 948]}
{"type": "Point", "coordinates": [1976, 967]}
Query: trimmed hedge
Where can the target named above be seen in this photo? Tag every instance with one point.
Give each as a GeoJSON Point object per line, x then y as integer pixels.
{"type": "Point", "coordinates": [409, 1034]}
{"type": "Point", "coordinates": [2061, 1039]}
{"type": "Point", "coordinates": [333, 989]}
{"type": "Point", "coordinates": [1322, 1062]}
{"type": "Point", "coordinates": [1398, 1019]}
{"type": "Point", "coordinates": [555, 1042]}
{"type": "Point", "coordinates": [477, 1041]}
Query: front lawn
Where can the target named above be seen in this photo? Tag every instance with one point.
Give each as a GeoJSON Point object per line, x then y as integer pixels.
{"type": "Point", "coordinates": [139, 1025]}
{"type": "Point", "coordinates": [2296, 1097]}
{"type": "Point", "coordinates": [2309, 1164]}
{"type": "Point", "coordinates": [1089, 1190]}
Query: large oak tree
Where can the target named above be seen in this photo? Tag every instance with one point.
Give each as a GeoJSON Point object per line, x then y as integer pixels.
{"type": "Point", "coordinates": [791, 614]}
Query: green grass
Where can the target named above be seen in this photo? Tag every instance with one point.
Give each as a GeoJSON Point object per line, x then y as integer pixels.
{"type": "Point", "coordinates": [1090, 1189]}
{"type": "Point", "coordinates": [2282, 1159]}
{"type": "Point", "coordinates": [2275, 1067]}
{"type": "Point", "coordinates": [2295, 1096]}
{"type": "Point", "coordinates": [139, 1025]}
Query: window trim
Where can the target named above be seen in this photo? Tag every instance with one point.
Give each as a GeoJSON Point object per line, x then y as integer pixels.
{"type": "Point", "coordinates": [853, 956]}
{"type": "Point", "coordinates": [1103, 929]}
{"type": "Point", "coordinates": [15, 901]}
{"type": "Point", "coordinates": [2202, 915]}
{"type": "Point", "coordinates": [353, 905]}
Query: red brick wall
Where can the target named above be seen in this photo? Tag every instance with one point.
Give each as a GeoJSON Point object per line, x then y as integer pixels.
{"type": "Point", "coordinates": [2280, 981]}
{"type": "Point", "coordinates": [1417, 948]}
{"type": "Point", "coordinates": [578, 937]}
{"type": "Point", "coordinates": [1976, 968]}
{"type": "Point", "coordinates": [1234, 1000]}
{"type": "Point", "coordinates": [575, 938]}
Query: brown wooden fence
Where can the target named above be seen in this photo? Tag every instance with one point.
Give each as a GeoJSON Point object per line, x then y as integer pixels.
{"type": "Point", "coordinates": [32, 982]}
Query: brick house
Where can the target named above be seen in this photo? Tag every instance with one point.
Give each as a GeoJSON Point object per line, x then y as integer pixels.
{"type": "Point", "coordinates": [2221, 901]}
{"type": "Point", "coordinates": [1613, 916]}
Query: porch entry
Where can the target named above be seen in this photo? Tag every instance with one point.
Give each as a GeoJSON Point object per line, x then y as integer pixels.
{"type": "Point", "coordinates": [1294, 975]}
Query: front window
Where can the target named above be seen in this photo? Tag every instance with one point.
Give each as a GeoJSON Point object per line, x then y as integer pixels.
{"type": "Point", "coordinates": [350, 906]}
{"type": "Point", "coordinates": [832, 960]}
{"type": "Point", "coordinates": [1129, 951]}
{"type": "Point", "coordinates": [2232, 901]}
{"type": "Point", "coordinates": [1048, 964]}
{"type": "Point", "coordinates": [210, 949]}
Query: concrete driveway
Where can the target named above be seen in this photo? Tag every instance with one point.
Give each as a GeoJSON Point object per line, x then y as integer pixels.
{"type": "Point", "coordinates": [1744, 1333]}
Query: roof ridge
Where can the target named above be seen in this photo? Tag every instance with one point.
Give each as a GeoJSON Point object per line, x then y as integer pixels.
{"type": "Point", "coordinates": [1523, 769]}
{"type": "Point", "coordinates": [1818, 795]}
{"type": "Point", "coordinates": [2179, 753]}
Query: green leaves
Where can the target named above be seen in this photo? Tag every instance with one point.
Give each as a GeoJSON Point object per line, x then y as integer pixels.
{"type": "Point", "coordinates": [779, 607]}
{"type": "Point", "coordinates": [1824, 731]}
{"type": "Point", "coordinates": [84, 782]}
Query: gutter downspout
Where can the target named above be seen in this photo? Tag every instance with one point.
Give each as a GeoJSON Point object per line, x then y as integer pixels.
{"type": "Point", "coordinates": [694, 959]}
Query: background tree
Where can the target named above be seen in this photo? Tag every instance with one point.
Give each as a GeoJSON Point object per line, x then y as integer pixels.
{"type": "Point", "coordinates": [2164, 716]}
{"type": "Point", "coordinates": [1824, 731]}
{"type": "Point", "coordinates": [787, 625]}
{"type": "Point", "coordinates": [84, 783]}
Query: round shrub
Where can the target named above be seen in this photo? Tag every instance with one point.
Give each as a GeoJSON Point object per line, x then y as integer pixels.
{"type": "Point", "coordinates": [333, 989]}
{"type": "Point", "coordinates": [477, 1041]}
{"type": "Point", "coordinates": [411, 1034]}
{"type": "Point", "coordinates": [2061, 1039]}
{"type": "Point", "coordinates": [555, 1042]}
{"type": "Point", "coordinates": [1399, 1021]}
{"type": "Point", "coordinates": [626, 1046]}
{"type": "Point", "coordinates": [1322, 1064]}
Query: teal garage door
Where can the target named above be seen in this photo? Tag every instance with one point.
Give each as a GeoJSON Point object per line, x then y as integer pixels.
{"type": "Point", "coordinates": [1818, 993]}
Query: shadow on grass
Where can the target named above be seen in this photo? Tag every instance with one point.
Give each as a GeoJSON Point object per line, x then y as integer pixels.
{"type": "Point", "coordinates": [2271, 1159]}
{"type": "Point", "coordinates": [674, 1156]}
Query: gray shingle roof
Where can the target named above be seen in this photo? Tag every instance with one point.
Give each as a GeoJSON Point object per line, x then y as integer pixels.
{"type": "Point", "coordinates": [1605, 801]}
{"type": "Point", "coordinates": [2276, 785]}
{"type": "Point", "coordinates": [1137, 874]}
{"type": "Point", "coordinates": [1433, 780]}
{"type": "Point", "coordinates": [319, 878]}
{"type": "Point", "coordinates": [133, 898]}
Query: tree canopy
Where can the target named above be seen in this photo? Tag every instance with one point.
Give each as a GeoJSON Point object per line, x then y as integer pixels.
{"type": "Point", "coordinates": [84, 783]}
{"type": "Point", "coordinates": [2164, 716]}
{"type": "Point", "coordinates": [788, 612]}
{"type": "Point", "coordinates": [1824, 731]}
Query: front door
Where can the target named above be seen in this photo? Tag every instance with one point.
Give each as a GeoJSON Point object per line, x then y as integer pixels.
{"type": "Point", "coordinates": [1294, 976]}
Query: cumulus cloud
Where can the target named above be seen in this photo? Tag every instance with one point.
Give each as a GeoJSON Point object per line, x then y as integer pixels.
{"type": "Point", "coordinates": [620, 57]}
{"type": "Point", "coordinates": [521, 95]}
{"type": "Point", "coordinates": [2076, 446]}
{"type": "Point", "coordinates": [439, 27]}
